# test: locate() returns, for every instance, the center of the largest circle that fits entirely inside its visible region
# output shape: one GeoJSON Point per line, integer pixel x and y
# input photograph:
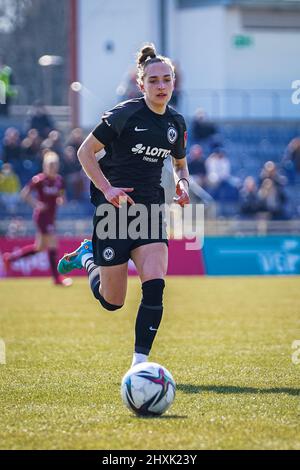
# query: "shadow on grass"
{"type": "Point", "coordinates": [231, 389]}
{"type": "Point", "coordinates": [161, 417]}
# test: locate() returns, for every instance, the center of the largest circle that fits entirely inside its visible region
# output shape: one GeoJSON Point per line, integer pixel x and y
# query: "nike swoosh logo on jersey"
{"type": "Point", "coordinates": [152, 329]}
{"type": "Point", "coordinates": [137, 129]}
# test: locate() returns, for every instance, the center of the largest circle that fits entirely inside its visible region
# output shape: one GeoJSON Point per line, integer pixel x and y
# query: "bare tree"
{"type": "Point", "coordinates": [30, 29]}
{"type": "Point", "coordinates": [12, 13]}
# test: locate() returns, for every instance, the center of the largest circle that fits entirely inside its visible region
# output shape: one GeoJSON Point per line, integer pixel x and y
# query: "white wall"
{"type": "Point", "coordinates": [199, 45]}
{"type": "Point", "coordinates": [269, 64]}
{"type": "Point", "coordinates": [203, 42]}
{"type": "Point", "coordinates": [126, 23]}
{"type": "Point", "coordinates": [200, 40]}
{"type": "Point", "coordinates": [199, 37]}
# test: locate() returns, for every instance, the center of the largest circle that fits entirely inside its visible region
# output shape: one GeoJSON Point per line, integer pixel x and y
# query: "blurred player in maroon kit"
{"type": "Point", "coordinates": [49, 189]}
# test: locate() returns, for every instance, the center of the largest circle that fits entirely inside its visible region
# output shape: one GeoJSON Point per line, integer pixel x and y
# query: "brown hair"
{"type": "Point", "coordinates": [146, 56]}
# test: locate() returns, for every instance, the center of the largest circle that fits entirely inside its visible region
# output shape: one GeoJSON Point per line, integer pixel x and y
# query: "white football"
{"type": "Point", "coordinates": [148, 389]}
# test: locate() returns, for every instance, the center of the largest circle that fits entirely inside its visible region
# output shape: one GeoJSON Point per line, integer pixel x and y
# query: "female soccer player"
{"type": "Point", "coordinates": [136, 135]}
{"type": "Point", "coordinates": [49, 189]}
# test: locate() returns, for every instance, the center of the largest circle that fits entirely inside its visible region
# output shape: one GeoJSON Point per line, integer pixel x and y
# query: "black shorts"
{"type": "Point", "coordinates": [115, 249]}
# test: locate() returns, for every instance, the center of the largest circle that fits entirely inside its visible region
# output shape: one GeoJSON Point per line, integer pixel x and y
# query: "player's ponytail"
{"type": "Point", "coordinates": [147, 52]}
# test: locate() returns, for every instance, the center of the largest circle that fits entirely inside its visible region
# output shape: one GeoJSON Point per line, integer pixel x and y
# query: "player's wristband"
{"type": "Point", "coordinates": [181, 179]}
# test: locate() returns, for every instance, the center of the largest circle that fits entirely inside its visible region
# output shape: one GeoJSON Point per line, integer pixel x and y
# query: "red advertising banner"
{"type": "Point", "coordinates": [182, 261]}
{"type": "Point", "coordinates": [185, 258]}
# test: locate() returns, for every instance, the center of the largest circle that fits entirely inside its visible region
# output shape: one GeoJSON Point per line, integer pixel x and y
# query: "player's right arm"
{"type": "Point", "coordinates": [87, 157]}
{"type": "Point", "coordinates": [33, 202]}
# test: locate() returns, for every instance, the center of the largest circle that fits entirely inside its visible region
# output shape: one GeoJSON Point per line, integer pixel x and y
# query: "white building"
{"type": "Point", "coordinates": [238, 58]}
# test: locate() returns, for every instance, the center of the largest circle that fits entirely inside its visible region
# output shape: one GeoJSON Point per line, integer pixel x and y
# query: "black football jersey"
{"type": "Point", "coordinates": [137, 141]}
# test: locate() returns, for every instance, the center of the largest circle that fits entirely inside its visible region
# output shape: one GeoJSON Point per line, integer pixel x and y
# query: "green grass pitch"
{"type": "Point", "coordinates": [227, 342]}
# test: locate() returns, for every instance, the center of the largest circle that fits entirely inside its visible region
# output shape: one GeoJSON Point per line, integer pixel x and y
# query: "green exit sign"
{"type": "Point", "coordinates": [240, 41]}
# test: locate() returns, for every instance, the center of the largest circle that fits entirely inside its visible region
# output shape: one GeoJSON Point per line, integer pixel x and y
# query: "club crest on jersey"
{"type": "Point", "coordinates": [172, 135]}
{"type": "Point", "coordinates": [108, 254]}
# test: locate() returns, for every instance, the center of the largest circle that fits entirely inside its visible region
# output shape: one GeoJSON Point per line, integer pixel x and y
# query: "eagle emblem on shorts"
{"type": "Point", "coordinates": [108, 254]}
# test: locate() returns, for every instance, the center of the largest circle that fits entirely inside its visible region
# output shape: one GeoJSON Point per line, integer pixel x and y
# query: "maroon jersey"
{"type": "Point", "coordinates": [47, 190]}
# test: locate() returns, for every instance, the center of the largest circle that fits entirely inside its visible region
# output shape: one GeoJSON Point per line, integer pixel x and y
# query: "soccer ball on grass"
{"type": "Point", "coordinates": [148, 389]}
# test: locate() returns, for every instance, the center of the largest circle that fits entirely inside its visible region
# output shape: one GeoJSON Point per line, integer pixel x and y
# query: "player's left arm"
{"type": "Point", "coordinates": [181, 174]}
{"type": "Point", "coordinates": [61, 198]}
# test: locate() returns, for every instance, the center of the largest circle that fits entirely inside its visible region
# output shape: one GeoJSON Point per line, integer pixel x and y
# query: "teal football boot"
{"type": "Point", "coordinates": [72, 260]}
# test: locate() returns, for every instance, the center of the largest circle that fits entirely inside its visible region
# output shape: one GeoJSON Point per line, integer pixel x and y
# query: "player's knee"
{"type": "Point", "coordinates": [107, 305]}
{"type": "Point", "coordinates": [153, 292]}
{"type": "Point", "coordinates": [112, 296]}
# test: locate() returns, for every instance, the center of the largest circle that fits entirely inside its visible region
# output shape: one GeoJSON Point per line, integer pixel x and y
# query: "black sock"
{"type": "Point", "coordinates": [94, 280]}
{"type": "Point", "coordinates": [149, 315]}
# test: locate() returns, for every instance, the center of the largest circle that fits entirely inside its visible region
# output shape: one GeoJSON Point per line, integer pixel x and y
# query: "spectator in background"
{"type": "Point", "coordinates": [128, 88]}
{"type": "Point", "coordinates": [40, 120]}
{"type": "Point", "coordinates": [196, 165]}
{"type": "Point", "coordinates": [272, 199]}
{"type": "Point", "coordinates": [9, 188]}
{"type": "Point", "coordinates": [75, 138]}
{"type": "Point", "coordinates": [249, 200]}
{"type": "Point", "coordinates": [72, 173]}
{"type": "Point", "coordinates": [7, 86]}
{"type": "Point", "coordinates": [11, 148]}
{"type": "Point", "coordinates": [31, 156]}
{"type": "Point", "coordinates": [31, 146]}
{"type": "Point", "coordinates": [291, 160]}
{"type": "Point", "coordinates": [53, 143]}
{"type": "Point", "coordinates": [221, 184]}
{"type": "Point", "coordinates": [202, 130]}
{"type": "Point", "coordinates": [270, 171]}
{"type": "Point", "coordinates": [218, 167]}
{"type": "Point", "coordinates": [174, 101]}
